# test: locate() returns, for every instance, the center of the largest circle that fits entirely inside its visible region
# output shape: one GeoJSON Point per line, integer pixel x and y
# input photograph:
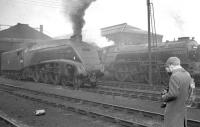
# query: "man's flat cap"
{"type": "Point", "coordinates": [173, 61]}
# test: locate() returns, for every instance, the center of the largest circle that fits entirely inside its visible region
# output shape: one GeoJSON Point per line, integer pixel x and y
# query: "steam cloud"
{"type": "Point", "coordinates": [94, 36]}
{"type": "Point", "coordinates": [75, 10]}
{"type": "Point", "coordinates": [178, 21]}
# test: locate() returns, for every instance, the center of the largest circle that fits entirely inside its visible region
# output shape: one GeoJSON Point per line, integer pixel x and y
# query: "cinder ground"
{"type": "Point", "coordinates": [24, 110]}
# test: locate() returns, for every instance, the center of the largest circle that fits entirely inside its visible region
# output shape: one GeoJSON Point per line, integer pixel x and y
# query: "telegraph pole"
{"type": "Point", "coordinates": [149, 41]}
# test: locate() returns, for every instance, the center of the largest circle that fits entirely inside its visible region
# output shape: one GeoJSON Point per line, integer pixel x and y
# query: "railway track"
{"type": "Point", "coordinates": [133, 91]}
{"type": "Point", "coordinates": [141, 91]}
{"type": "Point", "coordinates": [130, 93]}
{"type": "Point", "coordinates": [131, 85]}
{"type": "Point", "coordinates": [123, 92]}
{"type": "Point", "coordinates": [5, 121]}
{"type": "Point", "coordinates": [130, 90]}
{"type": "Point", "coordinates": [138, 86]}
{"type": "Point", "coordinates": [124, 116]}
{"type": "Point", "coordinates": [113, 113]}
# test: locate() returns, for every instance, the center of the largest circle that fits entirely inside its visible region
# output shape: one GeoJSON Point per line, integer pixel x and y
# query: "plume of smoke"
{"type": "Point", "coordinates": [179, 22]}
{"type": "Point", "coordinates": [75, 11]}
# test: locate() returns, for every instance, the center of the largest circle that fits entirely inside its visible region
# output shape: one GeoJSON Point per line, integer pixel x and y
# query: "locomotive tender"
{"type": "Point", "coordinates": [130, 62]}
{"type": "Point", "coordinates": [63, 61]}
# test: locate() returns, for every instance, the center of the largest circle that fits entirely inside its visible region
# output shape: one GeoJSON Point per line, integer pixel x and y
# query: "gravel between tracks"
{"type": "Point", "coordinates": [24, 110]}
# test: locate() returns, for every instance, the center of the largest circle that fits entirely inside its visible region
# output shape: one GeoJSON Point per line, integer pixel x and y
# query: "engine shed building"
{"type": "Point", "coordinates": [20, 35]}
{"type": "Point", "coordinates": [124, 34]}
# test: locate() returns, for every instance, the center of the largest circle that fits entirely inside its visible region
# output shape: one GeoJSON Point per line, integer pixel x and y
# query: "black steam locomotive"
{"type": "Point", "coordinates": [130, 62]}
{"type": "Point", "coordinates": [64, 61]}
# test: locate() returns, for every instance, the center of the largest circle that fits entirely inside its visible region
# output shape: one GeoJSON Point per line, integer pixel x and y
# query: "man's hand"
{"type": "Point", "coordinates": [163, 92]}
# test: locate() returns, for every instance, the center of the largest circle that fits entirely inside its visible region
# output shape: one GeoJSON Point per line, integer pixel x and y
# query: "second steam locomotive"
{"type": "Point", "coordinates": [130, 62]}
{"type": "Point", "coordinates": [64, 61]}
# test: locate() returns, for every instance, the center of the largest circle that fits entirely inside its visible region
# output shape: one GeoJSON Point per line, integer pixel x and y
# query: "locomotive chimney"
{"type": "Point", "coordinates": [75, 11]}
{"type": "Point", "coordinates": [76, 37]}
{"type": "Point", "coordinates": [41, 28]}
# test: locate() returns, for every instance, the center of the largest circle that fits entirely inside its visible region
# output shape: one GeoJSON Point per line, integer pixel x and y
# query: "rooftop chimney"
{"type": "Point", "coordinates": [41, 28]}
{"type": "Point", "coordinates": [183, 38]}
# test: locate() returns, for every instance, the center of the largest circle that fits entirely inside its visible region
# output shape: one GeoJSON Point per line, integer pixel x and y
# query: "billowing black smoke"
{"type": "Point", "coordinates": [75, 10]}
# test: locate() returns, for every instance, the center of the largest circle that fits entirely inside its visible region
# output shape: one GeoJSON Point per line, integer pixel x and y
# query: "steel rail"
{"type": "Point", "coordinates": [131, 93]}
{"type": "Point", "coordinates": [129, 89]}
{"type": "Point", "coordinates": [10, 121]}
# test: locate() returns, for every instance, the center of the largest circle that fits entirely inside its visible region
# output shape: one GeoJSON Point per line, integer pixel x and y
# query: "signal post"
{"type": "Point", "coordinates": [149, 41]}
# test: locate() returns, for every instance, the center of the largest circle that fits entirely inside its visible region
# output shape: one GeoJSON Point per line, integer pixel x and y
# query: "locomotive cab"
{"type": "Point", "coordinates": [193, 50]}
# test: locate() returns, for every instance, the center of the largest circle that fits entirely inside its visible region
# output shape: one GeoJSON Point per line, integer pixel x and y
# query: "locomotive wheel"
{"type": "Point", "coordinates": [134, 74]}
{"type": "Point", "coordinates": [146, 78]}
{"type": "Point", "coordinates": [93, 84]}
{"type": "Point", "coordinates": [54, 78]}
{"type": "Point", "coordinates": [36, 76]}
{"type": "Point", "coordinates": [64, 81]}
{"type": "Point", "coordinates": [44, 77]}
{"type": "Point", "coordinates": [134, 77]}
{"type": "Point", "coordinates": [77, 83]}
{"type": "Point", "coordinates": [18, 76]}
{"type": "Point", "coordinates": [121, 73]}
{"type": "Point", "coordinates": [155, 78]}
{"type": "Point", "coordinates": [25, 73]}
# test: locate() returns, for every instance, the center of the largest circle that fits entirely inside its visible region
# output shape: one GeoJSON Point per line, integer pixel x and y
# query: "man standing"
{"type": "Point", "coordinates": [179, 90]}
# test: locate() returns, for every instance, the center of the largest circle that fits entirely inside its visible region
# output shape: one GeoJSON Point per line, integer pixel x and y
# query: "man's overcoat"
{"type": "Point", "coordinates": [176, 112]}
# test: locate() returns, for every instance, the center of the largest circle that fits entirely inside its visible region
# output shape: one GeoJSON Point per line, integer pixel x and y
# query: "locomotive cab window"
{"type": "Point", "coordinates": [194, 53]}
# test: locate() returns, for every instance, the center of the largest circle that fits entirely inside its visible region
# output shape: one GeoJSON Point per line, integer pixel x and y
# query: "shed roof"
{"type": "Point", "coordinates": [124, 27]}
{"type": "Point", "coordinates": [23, 31]}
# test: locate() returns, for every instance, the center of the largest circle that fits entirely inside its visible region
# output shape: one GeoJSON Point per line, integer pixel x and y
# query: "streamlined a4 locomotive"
{"type": "Point", "coordinates": [63, 61]}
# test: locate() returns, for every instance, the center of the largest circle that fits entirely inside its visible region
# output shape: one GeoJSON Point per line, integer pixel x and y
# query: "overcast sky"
{"type": "Point", "coordinates": [174, 18]}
